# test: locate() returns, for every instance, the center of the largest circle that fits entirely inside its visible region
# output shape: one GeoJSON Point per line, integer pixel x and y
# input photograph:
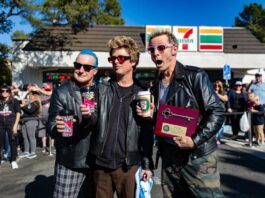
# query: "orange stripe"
{"type": "Point", "coordinates": [182, 30]}
{"type": "Point", "coordinates": [211, 31]}
{"type": "Point", "coordinates": [150, 29]}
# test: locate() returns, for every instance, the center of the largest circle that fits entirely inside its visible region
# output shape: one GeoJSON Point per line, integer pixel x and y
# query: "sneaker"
{"type": "Point", "coordinates": [218, 142]}
{"type": "Point", "coordinates": [14, 165]}
{"type": "Point", "coordinates": [25, 154]}
{"type": "Point", "coordinates": [45, 150]}
{"type": "Point", "coordinates": [31, 155]}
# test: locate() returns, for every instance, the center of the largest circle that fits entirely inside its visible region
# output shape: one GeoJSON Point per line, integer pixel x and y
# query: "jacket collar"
{"type": "Point", "coordinates": [179, 75]}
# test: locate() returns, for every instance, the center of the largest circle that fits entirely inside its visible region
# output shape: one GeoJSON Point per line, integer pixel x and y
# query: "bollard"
{"type": "Point", "coordinates": [250, 129]}
{"type": "Point", "coordinates": [50, 146]}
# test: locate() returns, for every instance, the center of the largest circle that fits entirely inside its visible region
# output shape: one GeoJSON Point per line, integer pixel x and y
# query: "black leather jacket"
{"type": "Point", "coordinates": [192, 88]}
{"type": "Point", "coordinates": [71, 152]}
{"type": "Point", "coordinates": [139, 136]}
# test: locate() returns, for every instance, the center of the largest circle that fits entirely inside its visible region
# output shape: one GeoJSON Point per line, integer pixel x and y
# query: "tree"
{"type": "Point", "coordinates": [253, 18]}
{"type": "Point", "coordinates": [81, 13]}
{"type": "Point", "coordinates": [110, 13]}
{"type": "Point", "coordinates": [5, 69]}
{"type": "Point", "coordinates": [23, 8]}
{"type": "Point", "coordinates": [18, 34]}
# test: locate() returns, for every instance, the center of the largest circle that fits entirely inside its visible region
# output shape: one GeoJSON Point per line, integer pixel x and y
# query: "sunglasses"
{"type": "Point", "coordinates": [151, 49]}
{"type": "Point", "coordinates": [86, 67]}
{"type": "Point", "coordinates": [121, 59]}
{"type": "Point", "coordinates": [4, 91]}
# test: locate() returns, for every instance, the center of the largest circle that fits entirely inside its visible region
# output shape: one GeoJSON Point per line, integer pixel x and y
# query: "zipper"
{"type": "Point", "coordinates": [107, 129]}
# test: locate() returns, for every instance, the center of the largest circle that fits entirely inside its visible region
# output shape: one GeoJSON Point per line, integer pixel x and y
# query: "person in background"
{"type": "Point", "coordinates": [32, 109]}
{"type": "Point", "coordinates": [257, 86]}
{"type": "Point", "coordinates": [71, 165]}
{"type": "Point", "coordinates": [9, 118]}
{"type": "Point", "coordinates": [123, 141]}
{"type": "Point", "coordinates": [219, 90]}
{"type": "Point", "coordinates": [45, 92]}
{"type": "Point", "coordinates": [237, 102]}
{"type": "Point", "coordinates": [189, 164]}
{"type": "Point", "coordinates": [258, 120]}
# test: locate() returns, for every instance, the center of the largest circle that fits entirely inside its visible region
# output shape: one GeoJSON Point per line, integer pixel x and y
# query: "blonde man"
{"type": "Point", "coordinates": [123, 141]}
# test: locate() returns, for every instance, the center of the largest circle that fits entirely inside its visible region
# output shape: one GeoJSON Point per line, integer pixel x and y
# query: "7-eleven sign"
{"type": "Point", "coordinates": [187, 37]}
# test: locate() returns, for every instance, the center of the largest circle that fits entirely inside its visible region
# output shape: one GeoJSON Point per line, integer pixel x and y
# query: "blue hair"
{"type": "Point", "coordinates": [91, 53]}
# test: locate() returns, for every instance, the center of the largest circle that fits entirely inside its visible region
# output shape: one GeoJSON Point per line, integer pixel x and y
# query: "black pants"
{"type": "Point", "coordinates": [12, 141]}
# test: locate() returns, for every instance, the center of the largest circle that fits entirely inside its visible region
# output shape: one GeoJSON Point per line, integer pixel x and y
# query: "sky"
{"type": "Point", "coordinates": [167, 12]}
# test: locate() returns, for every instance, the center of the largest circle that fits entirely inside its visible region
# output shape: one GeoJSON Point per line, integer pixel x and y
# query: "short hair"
{"type": "Point", "coordinates": [126, 42]}
{"type": "Point", "coordinates": [90, 52]}
{"type": "Point", "coordinates": [171, 37]}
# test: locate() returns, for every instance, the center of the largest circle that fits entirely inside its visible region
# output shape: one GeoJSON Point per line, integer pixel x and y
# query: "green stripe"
{"type": "Point", "coordinates": [211, 39]}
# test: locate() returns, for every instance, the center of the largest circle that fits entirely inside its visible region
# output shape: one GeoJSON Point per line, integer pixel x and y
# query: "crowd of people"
{"type": "Point", "coordinates": [241, 98]}
{"type": "Point", "coordinates": [107, 144]}
{"type": "Point", "coordinates": [22, 120]}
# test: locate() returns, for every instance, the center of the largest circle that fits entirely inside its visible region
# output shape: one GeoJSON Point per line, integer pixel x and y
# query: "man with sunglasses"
{"type": "Point", "coordinates": [123, 140]}
{"type": "Point", "coordinates": [189, 164]}
{"type": "Point", "coordinates": [71, 167]}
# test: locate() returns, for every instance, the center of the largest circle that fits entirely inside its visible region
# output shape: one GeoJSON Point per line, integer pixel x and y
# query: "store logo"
{"type": "Point", "coordinates": [187, 37]}
{"type": "Point", "coordinates": [211, 38]}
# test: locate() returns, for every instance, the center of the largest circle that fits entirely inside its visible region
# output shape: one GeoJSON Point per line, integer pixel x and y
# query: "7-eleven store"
{"type": "Point", "coordinates": [49, 55]}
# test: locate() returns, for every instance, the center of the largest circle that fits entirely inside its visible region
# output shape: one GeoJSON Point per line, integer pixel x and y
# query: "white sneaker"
{"type": "Point", "coordinates": [31, 156]}
{"type": "Point", "coordinates": [14, 165]}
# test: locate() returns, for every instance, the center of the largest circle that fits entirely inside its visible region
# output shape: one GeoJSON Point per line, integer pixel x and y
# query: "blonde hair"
{"type": "Point", "coordinates": [171, 37]}
{"type": "Point", "coordinates": [126, 42]}
{"type": "Point", "coordinates": [221, 87]}
{"type": "Point", "coordinates": [36, 97]}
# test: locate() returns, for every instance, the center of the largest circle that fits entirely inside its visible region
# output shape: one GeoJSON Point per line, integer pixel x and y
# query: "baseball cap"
{"type": "Point", "coordinates": [258, 74]}
{"type": "Point", "coordinates": [47, 87]}
{"type": "Point", "coordinates": [238, 83]}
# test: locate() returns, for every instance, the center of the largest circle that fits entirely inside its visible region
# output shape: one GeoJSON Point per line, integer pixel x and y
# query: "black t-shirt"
{"type": "Point", "coordinates": [8, 111]}
{"type": "Point", "coordinates": [258, 119]}
{"type": "Point", "coordinates": [113, 155]}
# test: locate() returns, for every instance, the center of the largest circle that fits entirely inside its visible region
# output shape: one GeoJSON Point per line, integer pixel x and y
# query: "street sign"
{"type": "Point", "coordinates": [227, 72]}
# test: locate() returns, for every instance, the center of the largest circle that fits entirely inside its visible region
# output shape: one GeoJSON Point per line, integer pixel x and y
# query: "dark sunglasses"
{"type": "Point", "coordinates": [5, 90]}
{"type": "Point", "coordinates": [151, 49]}
{"type": "Point", "coordinates": [121, 59]}
{"type": "Point", "coordinates": [87, 68]}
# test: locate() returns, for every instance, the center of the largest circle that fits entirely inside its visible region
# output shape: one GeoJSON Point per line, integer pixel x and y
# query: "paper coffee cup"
{"type": "Point", "coordinates": [144, 101]}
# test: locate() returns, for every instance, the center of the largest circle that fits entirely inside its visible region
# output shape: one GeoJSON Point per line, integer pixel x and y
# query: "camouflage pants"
{"type": "Point", "coordinates": [195, 178]}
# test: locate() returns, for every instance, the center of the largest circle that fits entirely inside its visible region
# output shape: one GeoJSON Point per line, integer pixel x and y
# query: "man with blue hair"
{"type": "Point", "coordinates": [71, 167]}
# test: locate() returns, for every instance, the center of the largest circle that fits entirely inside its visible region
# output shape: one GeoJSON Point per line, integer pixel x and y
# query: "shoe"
{"type": "Point", "coordinates": [25, 154]}
{"type": "Point", "coordinates": [234, 137]}
{"type": "Point", "coordinates": [14, 165]}
{"type": "Point", "coordinates": [218, 142]}
{"type": "Point", "coordinates": [45, 150]}
{"type": "Point", "coordinates": [31, 155]}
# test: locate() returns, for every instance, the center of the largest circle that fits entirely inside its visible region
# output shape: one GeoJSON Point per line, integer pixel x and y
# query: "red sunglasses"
{"type": "Point", "coordinates": [121, 59]}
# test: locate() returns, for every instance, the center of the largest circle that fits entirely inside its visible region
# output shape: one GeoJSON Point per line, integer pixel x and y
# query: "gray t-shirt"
{"type": "Point", "coordinates": [163, 91]}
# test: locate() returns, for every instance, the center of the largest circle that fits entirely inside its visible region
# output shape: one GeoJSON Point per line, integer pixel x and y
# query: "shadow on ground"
{"type": "Point", "coordinates": [41, 187]}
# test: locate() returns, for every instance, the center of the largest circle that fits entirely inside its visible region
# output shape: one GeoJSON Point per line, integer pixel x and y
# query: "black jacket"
{"type": "Point", "coordinates": [139, 136]}
{"type": "Point", "coordinates": [71, 152]}
{"type": "Point", "coordinates": [191, 88]}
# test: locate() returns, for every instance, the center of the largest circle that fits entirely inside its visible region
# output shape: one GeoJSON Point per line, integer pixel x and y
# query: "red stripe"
{"type": "Point", "coordinates": [188, 33]}
{"type": "Point", "coordinates": [211, 47]}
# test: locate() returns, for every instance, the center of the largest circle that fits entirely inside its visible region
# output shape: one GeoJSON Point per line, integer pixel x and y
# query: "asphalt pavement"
{"type": "Point", "coordinates": [242, 170]}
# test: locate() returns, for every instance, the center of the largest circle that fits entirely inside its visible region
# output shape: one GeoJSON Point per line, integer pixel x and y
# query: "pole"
{"type": "Point", "coordinates": [250, 130]}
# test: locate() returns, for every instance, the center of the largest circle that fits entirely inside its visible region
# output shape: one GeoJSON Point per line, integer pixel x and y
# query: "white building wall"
{"type": "Point", "coordinates": [28, 65]}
